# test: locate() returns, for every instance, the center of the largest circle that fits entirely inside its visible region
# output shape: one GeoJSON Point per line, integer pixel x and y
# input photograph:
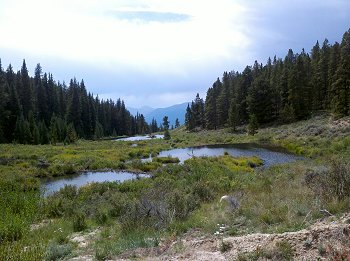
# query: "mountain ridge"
{"type": "Point", "coordinates": [176, 111]}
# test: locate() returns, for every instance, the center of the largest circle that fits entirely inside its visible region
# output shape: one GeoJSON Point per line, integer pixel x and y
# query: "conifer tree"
{"type": "Point", "coordinates": [43, 133]}
{"type": "Point", "coordinates": [210, 109]}
{"type": "Point", "coordinates": [233, 116]}
{"type": "Point", "coordinates": [25, 90]}
{"type": "Point", "coordinates": [189, 119]}
{"type": "Point", "coordinates": [177, 123]}
{"type": "Point", "coordinates": [54, 131]}
{"type": "Point", "coordinates": [98, 131]}
{"type": "Point", "coordinates": [341, 86]}
{"type": "Point", "coordinates": [71, 134]}
{"type": "Point", "coordinates": [165, 123]}
{"type": "Point", "coordinates": [253, 125]}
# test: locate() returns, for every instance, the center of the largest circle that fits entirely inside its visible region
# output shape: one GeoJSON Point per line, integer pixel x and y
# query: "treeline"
{"type": "Point", "coordinates": [38, 110]}
{"type": "Point", "coordinates": [280, 91]}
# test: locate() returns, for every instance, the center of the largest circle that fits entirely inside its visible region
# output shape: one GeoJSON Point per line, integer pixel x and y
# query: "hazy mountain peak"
{"type": "Point", "coordinates": [173, 112]}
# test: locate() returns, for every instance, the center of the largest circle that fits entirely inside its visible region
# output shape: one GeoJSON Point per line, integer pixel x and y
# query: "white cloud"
{"type": "Point", "coordinates": [84, 31]}
{"type": "Point", "coordinates": [161, 61]}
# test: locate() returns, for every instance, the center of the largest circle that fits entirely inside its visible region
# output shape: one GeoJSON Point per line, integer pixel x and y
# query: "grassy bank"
{"type": "Point", "coordinates": [177, 198]}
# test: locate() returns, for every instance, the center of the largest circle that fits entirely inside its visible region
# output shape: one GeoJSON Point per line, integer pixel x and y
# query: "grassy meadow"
{"type": "Point", "coordinates": [177, 198]}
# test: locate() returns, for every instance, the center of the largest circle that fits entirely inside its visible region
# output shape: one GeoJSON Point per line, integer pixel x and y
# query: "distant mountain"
{"type": "Point", "coordinates": [143, 110]}
{"type": "Point", "coordinates": [173, 112]}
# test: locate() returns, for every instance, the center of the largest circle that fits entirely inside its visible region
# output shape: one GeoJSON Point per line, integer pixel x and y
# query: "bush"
{"type": "Point", "coordinates": [79, 222]}
{"type": "Point", "coordinates": [12, 229]}
{"type": "Point", "coordinates": [101, 216]}
{"type": "Point", "coordinates": [332, 181]}
{"type": "Point", "coordinates": [14, 251]}
{"type": "Point", "coordinates": [57, 252]}
{"type": "Point", "coordinates": [282, 251]}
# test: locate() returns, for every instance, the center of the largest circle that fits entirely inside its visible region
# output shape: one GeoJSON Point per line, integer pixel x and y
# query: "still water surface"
{"type": "Point", "coordinates": [137, 138]}
{"type": "Point", "coordinates": [51, 186]}
{"type": "Point", "coordinates": [269, 155]}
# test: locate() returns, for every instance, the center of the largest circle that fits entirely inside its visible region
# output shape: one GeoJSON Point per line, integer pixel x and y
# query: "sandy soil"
{"type": "Point", "coordinates": [327, 239]}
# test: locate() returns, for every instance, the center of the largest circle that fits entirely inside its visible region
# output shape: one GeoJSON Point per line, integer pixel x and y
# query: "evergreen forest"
{"type": "Point", "coordinates": [39, 110]}
{"type": "Point", "coordinates": [281, 91]}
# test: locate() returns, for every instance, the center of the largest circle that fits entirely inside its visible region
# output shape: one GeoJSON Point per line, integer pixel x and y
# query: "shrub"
{"type": "Point", "coordinates": [57, 252]}
{"type": "Point", "coordinates": [12, 229]}
{"type": "Point", "coordinates": [101, 216]}
{"type": "Point", "coordinates": [15, 251]}
{"type": "Point", "coordinates": [332, 181]}
{"type": "Point", "coordinates": [79, 222]}
{"type": "Point", "coordinates": [225, 246]}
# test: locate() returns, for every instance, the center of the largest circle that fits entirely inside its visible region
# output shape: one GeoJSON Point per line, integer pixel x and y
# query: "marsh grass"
{"type": "Point", "coordinates": [178, 197]}
{"type": "Point", "coordinates": [166, 160]}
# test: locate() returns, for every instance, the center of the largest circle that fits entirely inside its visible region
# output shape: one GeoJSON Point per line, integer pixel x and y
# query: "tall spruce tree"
{"type": "Point", "coordinates": [341, 85]}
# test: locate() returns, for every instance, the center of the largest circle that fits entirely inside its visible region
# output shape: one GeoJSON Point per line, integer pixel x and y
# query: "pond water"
{"type": "Point", "coordinates": [53, 185]}
{"type": "Point", "coordinates": [269, 155]}
{"type": "Point", "coordinates": [138, 138]}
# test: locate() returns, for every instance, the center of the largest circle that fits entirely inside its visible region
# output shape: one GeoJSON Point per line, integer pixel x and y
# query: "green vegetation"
{"type": "Point", "coordinates": [178, 197]}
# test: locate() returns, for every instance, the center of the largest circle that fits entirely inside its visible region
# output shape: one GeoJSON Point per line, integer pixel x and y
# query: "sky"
{"type": "Point", "coordinates": [160, 52]}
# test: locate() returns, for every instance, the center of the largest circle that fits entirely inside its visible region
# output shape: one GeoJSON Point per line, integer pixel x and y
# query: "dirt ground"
{"type": "Point", "coordinates": [327, 239]}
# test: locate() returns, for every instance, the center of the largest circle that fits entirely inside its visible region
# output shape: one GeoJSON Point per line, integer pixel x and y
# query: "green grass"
{"type": "Point", "coordinates": [178, 197]}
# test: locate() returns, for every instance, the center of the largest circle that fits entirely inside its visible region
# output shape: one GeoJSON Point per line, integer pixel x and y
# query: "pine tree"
{"type": "Point", "coordinates": [316, 77]}
{"type": "Point", "coordinates": [43, 133]}
{"type": "Point", "coordinates": [35, 135]}
{"type": "Point", "coordinates": [197, 109]}
{"type": "Point", "coordinates": [341, 86]}
{"type": "Point", "coordinates": [98, 131]}
{"type": "Point", "coordinates": [71, 134]}
{"type": "Point", "coordinates": [259, 100]}
{"type": "Point", "coordinates": [210, 110]}
{"type": "Point", "coordinates": [4, 113]}
{"type": "Point", "coordinates": [287, 114]}
{"type": "Point", "coordinates": [253, 125]}
{"type": "Point", "coordinates": [25, 90]}
{"type": "Point", "coordinates": [33, 129]}
{"type": "Point", "coordinates": [189, 119]}
{"type": "Point", "coordinates": [19, 130]}
{"type": "Point", "coordinates": [223, 101]}
{"type": "Point", "coordinates": [74, 108]}
{"type": "Point", "coordinates": [323, 68]}
{"type": "Point", "coordinates": [42, 107]}
{"type": "Point", "coordinates": [54, 131]}
{"type": "Point", "coordinates": [177, 123]}
{"type": "Point", "coordinates": [165, 123]}
{"type": "Point", "coordinates": [22, 131]}
{"type": "Point", "coordinates": [298, 87]}
{"type": "Point", "coordinates": [233, 116]}
{"type": "Point", "coordinates": [154, 126]}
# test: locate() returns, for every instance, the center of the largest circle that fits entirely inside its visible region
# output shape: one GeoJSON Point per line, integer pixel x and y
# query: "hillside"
{"type": "Point", "coordinates": [176, 111]}
{"type": "Point", "coordinates": [173, 112]}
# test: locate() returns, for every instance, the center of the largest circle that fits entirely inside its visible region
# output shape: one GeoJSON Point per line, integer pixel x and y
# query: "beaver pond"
{"type": "Point", "coordinates": [269, 155]}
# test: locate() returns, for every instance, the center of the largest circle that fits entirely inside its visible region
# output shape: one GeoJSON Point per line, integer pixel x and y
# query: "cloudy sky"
{"type": "Point", "coordinates": [160, 52]}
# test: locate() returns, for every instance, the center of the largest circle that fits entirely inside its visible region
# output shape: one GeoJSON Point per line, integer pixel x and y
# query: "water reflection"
{"type": "Point", "coordinates": [51, 186]}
